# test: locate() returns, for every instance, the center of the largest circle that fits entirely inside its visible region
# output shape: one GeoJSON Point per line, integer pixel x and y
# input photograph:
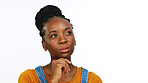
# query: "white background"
{"type": "Point", "coordinates": [111, 36]}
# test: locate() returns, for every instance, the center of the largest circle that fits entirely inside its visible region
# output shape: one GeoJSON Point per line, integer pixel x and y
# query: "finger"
{"type": "Point", "coordinates": [67, 61]}
{"type": "Point", "coordinates": [67, 67]}
{"type": "Point", "coordinates": [64, 66]}
{"type": "Point", "coordinates": [62, 60]}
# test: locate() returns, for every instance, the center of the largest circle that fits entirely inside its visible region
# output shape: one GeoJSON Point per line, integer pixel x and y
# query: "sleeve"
{"type": "Point", "coordinates": [24, 78]}
{"type": "Point", "coordinates": [93, 78]}
{"type": "Point", "coordinates": [100, 81]}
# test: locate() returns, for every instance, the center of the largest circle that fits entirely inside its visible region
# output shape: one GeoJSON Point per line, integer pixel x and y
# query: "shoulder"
{"type": "Point", "coordinates": [28, 76]}
{"type": "Point", "coordinates": [93, 78]}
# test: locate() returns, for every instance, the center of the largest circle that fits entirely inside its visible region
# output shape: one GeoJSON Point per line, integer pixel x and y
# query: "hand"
{"type": "Point", "coordinates": [59, 67]}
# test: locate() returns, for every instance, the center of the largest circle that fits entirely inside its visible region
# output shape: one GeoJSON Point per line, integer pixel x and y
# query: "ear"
{"type": "Point", "coordinates": [44, 46]}
{"type": "Point", "coordinates": [75, 42]}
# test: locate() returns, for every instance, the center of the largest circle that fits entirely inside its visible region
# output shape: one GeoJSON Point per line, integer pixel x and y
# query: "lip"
{"type": "Point", "coordinates": [64, 49]}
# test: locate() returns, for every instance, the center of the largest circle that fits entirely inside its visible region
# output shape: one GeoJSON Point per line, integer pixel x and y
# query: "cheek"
{"type": "Point", "coordinates": [72, 40]}
{"type": "Point", "coordinates": [51, 45]}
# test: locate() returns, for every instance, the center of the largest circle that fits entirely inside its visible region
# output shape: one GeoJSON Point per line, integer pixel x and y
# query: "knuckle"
{"type": "Point", "coordinates": [53, 61]}
{"type": "Point", "coordinates": [61, 58]}
{"type": "Point", "coordinates": [58, 65]}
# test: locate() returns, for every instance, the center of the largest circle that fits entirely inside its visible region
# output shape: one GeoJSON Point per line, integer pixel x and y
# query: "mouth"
{"type": "Point", "coordinates": [64, 49]}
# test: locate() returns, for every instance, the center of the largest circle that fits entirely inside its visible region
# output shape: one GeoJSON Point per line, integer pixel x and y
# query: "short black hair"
{"type": "Point", "coordinates": [45, 14]}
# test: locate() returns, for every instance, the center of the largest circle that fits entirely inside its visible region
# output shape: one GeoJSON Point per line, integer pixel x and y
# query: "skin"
{"type": "Point", "coordinates": [58, 38]}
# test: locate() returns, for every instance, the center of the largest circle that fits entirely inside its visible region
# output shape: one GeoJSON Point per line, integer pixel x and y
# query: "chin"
{"type": "Point", "coordinates": [64, 55]}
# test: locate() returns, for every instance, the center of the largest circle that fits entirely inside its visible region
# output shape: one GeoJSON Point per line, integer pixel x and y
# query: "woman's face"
{"type": "Point", "coordinates": [58, 38]}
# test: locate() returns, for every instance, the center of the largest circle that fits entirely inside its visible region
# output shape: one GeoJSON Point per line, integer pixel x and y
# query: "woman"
{"type": "Point", "coordinates": [58, 38]}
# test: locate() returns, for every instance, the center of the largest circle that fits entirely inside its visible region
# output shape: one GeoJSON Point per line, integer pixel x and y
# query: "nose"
{"type": "Point", "coordinates": [62, 40]}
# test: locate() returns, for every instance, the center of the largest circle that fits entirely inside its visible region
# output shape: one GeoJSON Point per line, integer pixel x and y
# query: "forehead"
{"type": "Point", "coordinates": [56, 23]}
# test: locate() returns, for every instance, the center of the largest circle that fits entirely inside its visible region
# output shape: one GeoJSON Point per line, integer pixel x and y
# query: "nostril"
{"type": "Point", "coordinates": [63, 41]}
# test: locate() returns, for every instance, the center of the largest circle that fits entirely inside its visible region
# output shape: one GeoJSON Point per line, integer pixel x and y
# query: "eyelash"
{"type": "Point", "coordinates": [69, 32]}
{"type": "Point", "coordinates": [54, 35]}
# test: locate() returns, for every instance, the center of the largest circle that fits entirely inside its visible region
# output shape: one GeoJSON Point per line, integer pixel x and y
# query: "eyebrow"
{"type": "Point", "coordinates": [51, 32]}
{"type": "Point", "coordinates": [67, 28]}
{"type": "Point", "coordinates": [56, 31]}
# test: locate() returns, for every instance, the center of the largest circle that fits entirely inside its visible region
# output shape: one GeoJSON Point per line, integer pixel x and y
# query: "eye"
{"type": "Point", "coordinates": [52, 36]}
{"type": "Point", "coordinates": [69, 32]}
